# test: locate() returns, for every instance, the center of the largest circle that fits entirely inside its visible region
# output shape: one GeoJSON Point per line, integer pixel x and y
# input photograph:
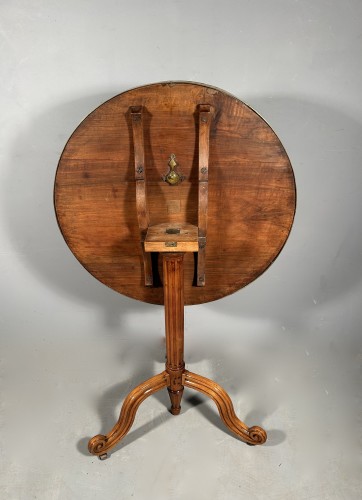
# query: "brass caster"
{"type": "Point", "coordinates": [104, 456]}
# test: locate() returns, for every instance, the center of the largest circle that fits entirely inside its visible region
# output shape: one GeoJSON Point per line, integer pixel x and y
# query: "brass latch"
{"type": "Point", "coordinates": [172, 177]}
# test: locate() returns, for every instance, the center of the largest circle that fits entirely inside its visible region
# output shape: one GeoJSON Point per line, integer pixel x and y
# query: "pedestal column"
{"type": "Point", "coordinates": [173, 283]}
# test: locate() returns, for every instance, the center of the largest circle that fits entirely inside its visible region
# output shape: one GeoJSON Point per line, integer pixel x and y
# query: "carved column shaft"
{"type": "Point", "coordinates": [173, 284]}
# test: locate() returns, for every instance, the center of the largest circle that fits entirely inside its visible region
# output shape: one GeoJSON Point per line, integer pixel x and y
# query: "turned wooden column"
{"type": "Point", "coordinates": [173, 284]}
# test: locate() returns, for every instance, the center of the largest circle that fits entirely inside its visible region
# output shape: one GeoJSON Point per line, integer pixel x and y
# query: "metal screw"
{"type": "Point", "coordinates": [203, 170]}
{"type": "Point", "coordinates": [139, 169]}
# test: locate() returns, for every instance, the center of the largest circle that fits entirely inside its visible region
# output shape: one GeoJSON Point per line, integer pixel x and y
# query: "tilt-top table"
{"type": "Point", "coordinates": [175, 193]}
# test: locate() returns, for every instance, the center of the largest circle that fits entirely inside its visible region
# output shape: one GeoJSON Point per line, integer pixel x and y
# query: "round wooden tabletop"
{"type": "Point", "coordinates": [251, 189]}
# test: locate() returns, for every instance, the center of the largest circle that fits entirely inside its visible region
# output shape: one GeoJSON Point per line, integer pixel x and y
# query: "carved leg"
{"type": "Point", "coordinates": [251, 435]}
{"type": "Point", "coordinates": [100, 444]}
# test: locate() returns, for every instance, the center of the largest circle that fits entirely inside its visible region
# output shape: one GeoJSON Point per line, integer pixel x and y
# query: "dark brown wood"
{"type": "Point", "coordinates": [251, 190]}
{"type": "Point", "coordinates": [205, 116]}
{"type": "Point", "coordinates": [235, 191]}
{"type": "Point", "coordinates": [141, 189]}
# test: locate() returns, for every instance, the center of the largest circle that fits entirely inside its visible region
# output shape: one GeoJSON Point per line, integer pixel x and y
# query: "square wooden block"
{"type": "Point", "coordinates": [172, 237]}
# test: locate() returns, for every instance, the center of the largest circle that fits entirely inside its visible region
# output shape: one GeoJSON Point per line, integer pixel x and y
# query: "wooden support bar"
{"type": "Point", "coordinates": [141, 191]}
{"type": "Point", "coordinates": [205, 117]}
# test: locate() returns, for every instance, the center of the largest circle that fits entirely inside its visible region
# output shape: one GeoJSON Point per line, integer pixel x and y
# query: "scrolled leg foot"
{"type": "Point", "coordinates": [100, 444]}
{"type": "Point", "coordinates": [257, 434]}
{"type": "Point", "coordinates": [252, 435]}
{"type": "Point", "coordinates": [97, 444]}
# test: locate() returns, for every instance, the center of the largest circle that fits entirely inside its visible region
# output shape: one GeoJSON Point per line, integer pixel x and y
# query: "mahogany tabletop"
{"type": "Point", "coordinates": [251, 189]}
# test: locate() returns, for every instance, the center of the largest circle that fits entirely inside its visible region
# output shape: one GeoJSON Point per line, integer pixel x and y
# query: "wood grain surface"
{"type": "Point", "coordinates": [251, 189]}
{"type": "Point", "coordinates": [175, 238]}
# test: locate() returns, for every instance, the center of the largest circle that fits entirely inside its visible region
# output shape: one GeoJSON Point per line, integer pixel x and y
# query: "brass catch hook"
{"type": "Point", "coordinates": [172, 177]}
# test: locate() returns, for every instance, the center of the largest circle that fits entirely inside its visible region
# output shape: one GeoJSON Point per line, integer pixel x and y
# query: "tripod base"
{"type": "Point", "coordinates": [100, 444]}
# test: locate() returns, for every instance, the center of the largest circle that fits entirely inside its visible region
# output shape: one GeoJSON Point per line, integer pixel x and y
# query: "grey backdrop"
{"type": "Point", "coordinates": [287, 347]}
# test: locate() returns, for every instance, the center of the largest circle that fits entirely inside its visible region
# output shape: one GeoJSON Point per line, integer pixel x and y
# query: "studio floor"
{"type": "Point", "coordinates": [63, 392]}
